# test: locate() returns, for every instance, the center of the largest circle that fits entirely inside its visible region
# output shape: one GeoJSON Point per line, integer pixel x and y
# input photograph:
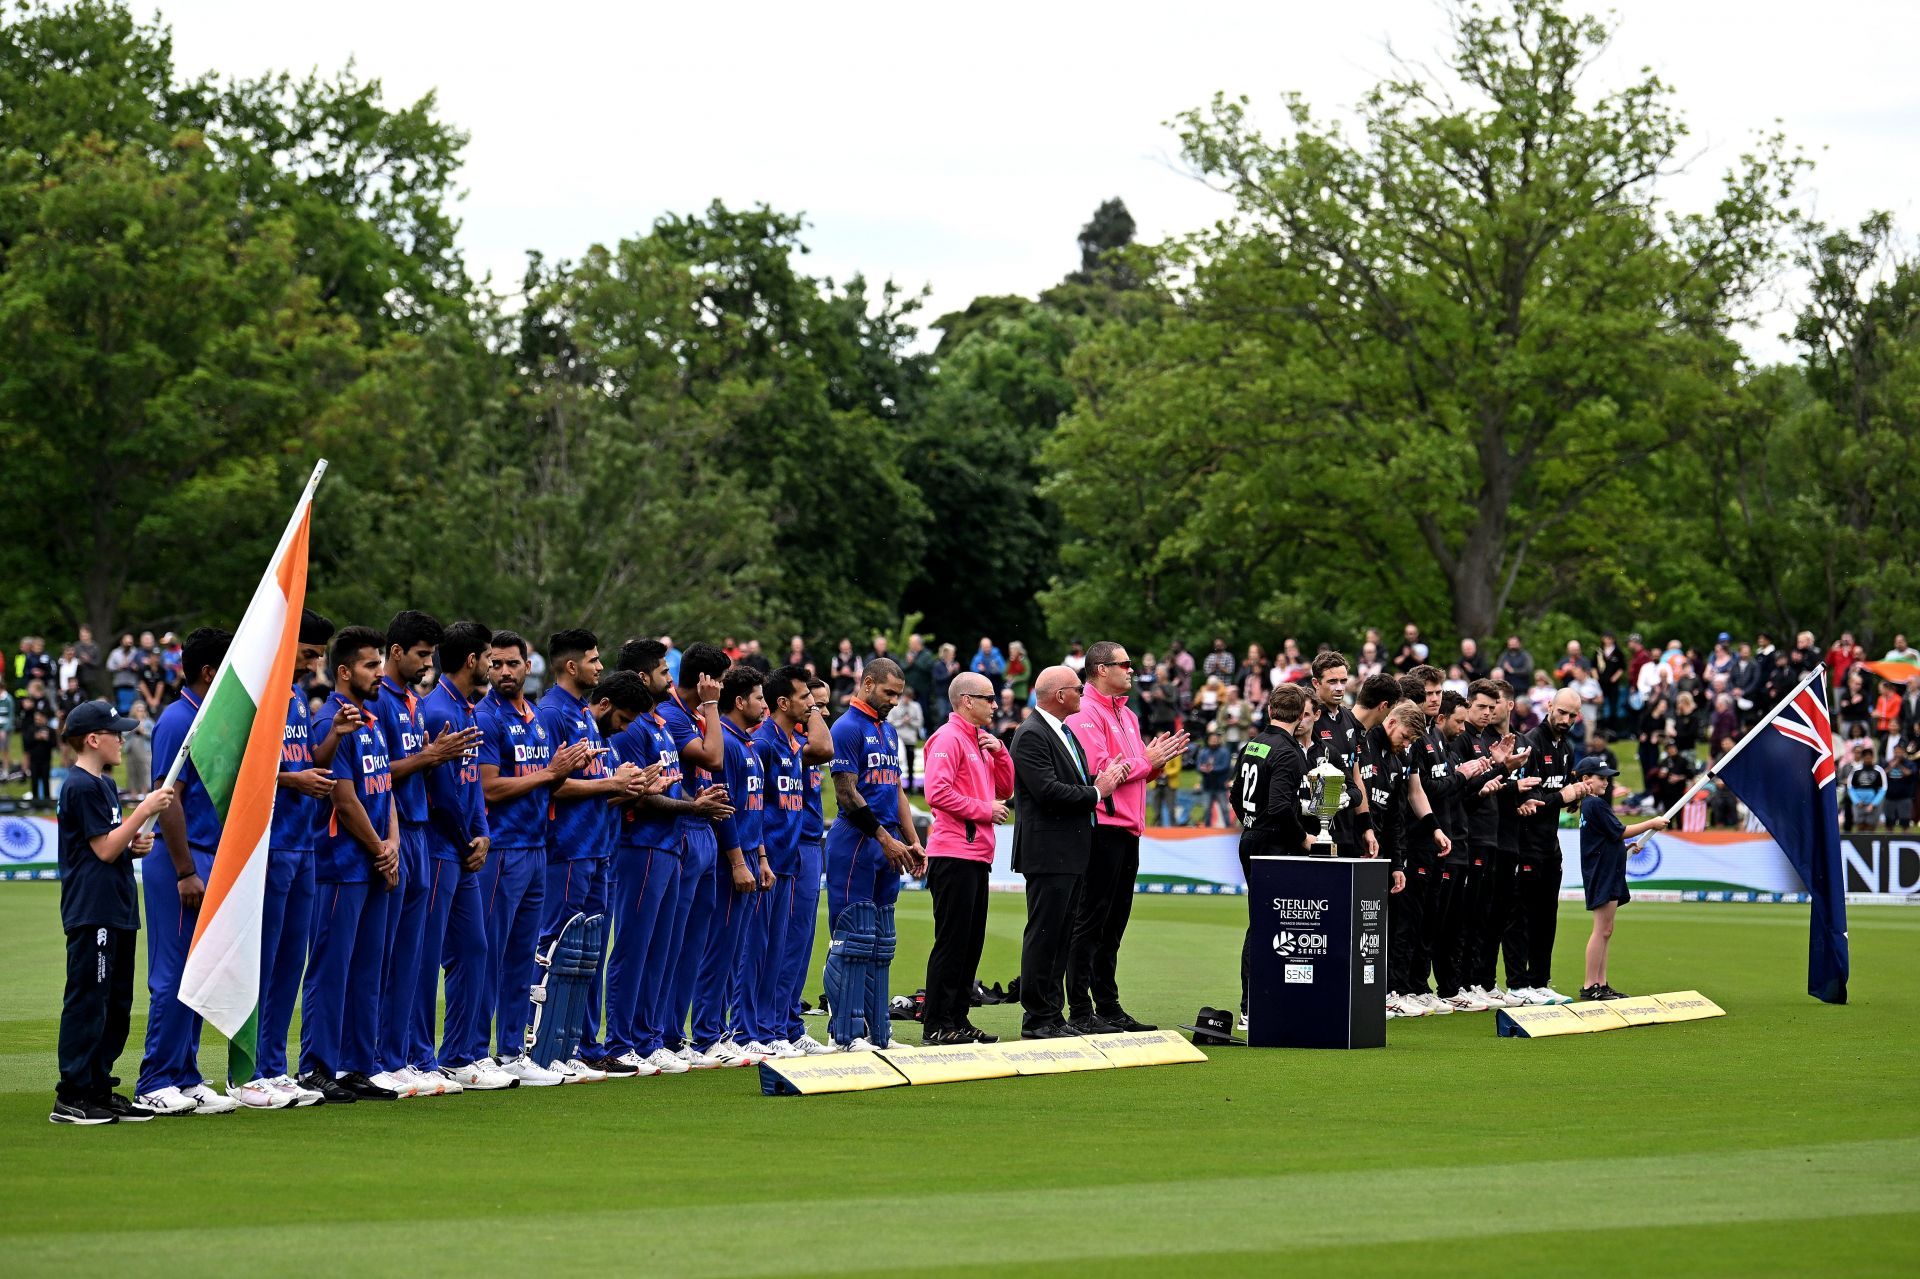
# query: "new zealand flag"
{"type": "Point", "coordinates": [1784, 772]}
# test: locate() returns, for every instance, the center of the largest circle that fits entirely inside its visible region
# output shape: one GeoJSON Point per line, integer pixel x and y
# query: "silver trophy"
{"type": "Point", "coordinates": [1326, 796]}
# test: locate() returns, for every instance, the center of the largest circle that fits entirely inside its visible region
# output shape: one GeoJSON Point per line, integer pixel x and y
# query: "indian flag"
{"type": "Point", "coordinates": [235, 745]}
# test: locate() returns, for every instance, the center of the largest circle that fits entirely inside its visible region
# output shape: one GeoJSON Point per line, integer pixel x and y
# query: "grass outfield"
{"type": "Point", "coordinates": [1782, 1138]}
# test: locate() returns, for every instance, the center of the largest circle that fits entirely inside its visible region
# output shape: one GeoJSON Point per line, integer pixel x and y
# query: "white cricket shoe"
{"type": "Point", "coordinates": [782, 1049]}
{"type": "Point", "coordinates": [301, 1094]}
{"type": "Point", "coordinates": [209, 1102]}
{"type": "Point", "coordinates": [1433, 1003]}
{"type": "Point", "coordinates": [1528, 995]}
{"type": "Point", "coordinates": [399, 1083]}
{"type": "Point", "coordinates": [667, 1062]}
{"type": "Point", "coordinates": [530, 1074]}
{"type": "Point", "coordinates": [1549, 995]}
{"type": "Point", "coordinates": [1465, 1001]}
{"type": "Point", "coordinates": [1393, 1008]}
{"type": "Point", "coordinates": [582, 1073]}
{"type": "Point", "coordinates": [1496, 998]}
{"type": "Point", "coordinates": [478, 1077]}
{"type": "Point", "coordinates": [1243, 1021]}
{"type": "Point", "coordinates": [858, 1044]}
{"type": "Point", "coordinates": [259, 1094]}
{"type": "Point", "coordinates": [728, 1053]}
{"type": "Point", "coordinates": [811, 1047]}
{"type": "Point", "coordinates": [758, 1051]}
{"type": "Point", "coordinates": [427, 1083]}
{"type": "Point", "coordinates": [641, 1066]}
{"type": "Point", "coordinates": [695, 1059]}
{"type": "Point", "coordinates": [167, 1101]}
{"type": "Point", "coordinates": [1411, 1007]}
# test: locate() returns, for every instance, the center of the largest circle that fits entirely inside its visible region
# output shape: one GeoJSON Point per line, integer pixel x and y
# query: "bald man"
{"type": "Point", "coordinates": [1055, 795]}
{"type": "Point", "coordinates": [969, 779]}
{"type": "Point", "coordinates": [1536, 888]}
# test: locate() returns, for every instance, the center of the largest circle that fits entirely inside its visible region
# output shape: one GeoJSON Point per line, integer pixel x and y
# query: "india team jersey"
{"type": "Point", "coordinates": [398, 712]}
{"type": "Point", "coordinates": [684, 727]}
{"type": "Point", "coordinates": [813, 825]}
{"type": "Point", "coordinates": [578, 828]}
{"type": "Point", "coordinates": [513, 740]}
{"type": "Point", "coordinates": [361, 759]}
{"type": "Point", "coordinates": [746, 786]}
{"type": "Point", "coordinates": [646, 741]}
{"type": "Point", "coordinates": [868, 747]}
{"type": "Point", "coordinates": [456, 806]}
{"type": "Point", "coordinates": [786, 795]}
{"type": "Point", "coordinates": [296, 817]}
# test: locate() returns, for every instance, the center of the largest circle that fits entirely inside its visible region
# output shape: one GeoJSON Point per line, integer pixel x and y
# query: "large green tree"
{"type": "Point", "coordinates": [1415, 372]}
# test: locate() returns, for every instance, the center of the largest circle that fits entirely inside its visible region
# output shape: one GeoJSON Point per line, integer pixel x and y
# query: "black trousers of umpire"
{"type": "Point", "coordinates": [1409, 913]}
{"type": "Point", "coordinates": [959, 889]}
{"type": "Point", "coordinates": [1537, 891]}
{"type": "Point", "coordinates": [96, 1011]}
{"type": "Point", "coordinates": [1100, 921]}
{"type": "Point", "coordinates": [1043, 947]}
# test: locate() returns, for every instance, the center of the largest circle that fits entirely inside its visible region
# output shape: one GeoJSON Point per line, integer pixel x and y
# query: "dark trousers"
{"type": "Point", "coordinates": [1481, 945]}
{"type": "Point", "coordinates": [959, 889]}
{"type": "Point", "coordinates": [96, 1011]}
{"type": "Point", "coordinates": [1448, 919]}
{"type": "Point", "coordinates": [1043, 947]}
{"type": "Point", "coordinates": [1407, 946]}
{"type": "Point", "coordinates": [1538, 890]}
{"type": "Point", "coordinates": [1506, 927]}
{"type": "Point", "coordinates": [1100, 921]}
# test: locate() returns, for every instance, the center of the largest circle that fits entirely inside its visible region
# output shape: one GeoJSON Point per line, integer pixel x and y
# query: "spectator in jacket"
{"type": "Point", "coordinates": [988, 661]}
{"type": "Point", "coordinates": [1516, 664]}
{"type": "Point", "coordinates": [1610, 667]}
{"type": "Point", "coordinates": [1902, 773]}
{"type": "Point", "coordinates": [1219, 664]}
{"type": "Point", "coordinates": [969, 781]}
{"type": "Point", "coordinates": [946, 664]}
{"type": "Point", "coordinates": [1866, 789]}
{"type": "Point", "coordinates": [910, 722]}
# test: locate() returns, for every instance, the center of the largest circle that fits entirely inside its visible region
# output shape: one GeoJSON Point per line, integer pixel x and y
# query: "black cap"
{"type": "Point", "coordinates": [1595, 766]}
{"type": "Point", "coordinates": [1213, 1027]}
{"type": "Point", "coordinates": [96, 717]}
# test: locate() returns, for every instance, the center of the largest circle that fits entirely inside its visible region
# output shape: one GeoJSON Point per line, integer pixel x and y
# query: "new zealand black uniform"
{"type": "Point", "coordinates": [1384, 772]}
{"type": "Point", "coordinates": [1336, 741]}
{"type": "Point", "coordinates": [1505, 929]}
{"type": "Point", "coordinates": [1431, 761]}
{"type": "Point", "coordinates": [1483, 853]}
{"type": "Point", "coordinates": [1537, 886]}
{"type": "Point", "coordinates": [1267, 781]}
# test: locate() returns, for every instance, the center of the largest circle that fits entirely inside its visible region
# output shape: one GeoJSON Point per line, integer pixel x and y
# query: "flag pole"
{"type": "Point", "coordinates": [1738, 746]}
{"type": "Point", "coordinates": [286, 536]}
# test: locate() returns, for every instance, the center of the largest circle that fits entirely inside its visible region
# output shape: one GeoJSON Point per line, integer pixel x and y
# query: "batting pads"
{"type": "Point", "coordinates": [859, 958]}
{"type": "Point", "coordinates": [560, 999]}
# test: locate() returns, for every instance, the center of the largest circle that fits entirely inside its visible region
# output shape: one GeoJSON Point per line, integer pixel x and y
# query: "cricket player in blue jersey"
{"type": "Point", "coordinates": [761, 975]}
{"type": "Point", "coordinates": [872, 842]}
{"type": "Point", "coordinates": [170, 1081]}
{"type": "Point", "coordinates": [692, 715]}
{"type": "Point", "coordinates": [580, 830]}
{"type": "Point", "coordinates": [716, 1011]}
{"type": "Point", "coordinates": [519, 770]}
{"type": "Point", "coordinates": [406, 1049]}
{"type": "Point", "coordinates": [300, 811]}
{"type": "Point", "coordinates": [357, 876]}
{"type": "Point", "coordinates": [803, 925]}
{"type": "Point", "coordinates": [649, 877]}
{"type": "Point", "coordinates": [458, 844]}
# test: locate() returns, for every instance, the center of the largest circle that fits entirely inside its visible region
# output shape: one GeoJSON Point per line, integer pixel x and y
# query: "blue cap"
{"type": "Point", "coordinates": [1595, 766]}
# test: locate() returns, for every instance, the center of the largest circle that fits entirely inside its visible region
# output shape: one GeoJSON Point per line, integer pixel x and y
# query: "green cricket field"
{"type": "Point", "coordinates": [1782, 1138]}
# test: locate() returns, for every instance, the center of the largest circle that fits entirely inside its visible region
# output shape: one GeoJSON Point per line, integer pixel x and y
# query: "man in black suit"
{"type": "Point", "coordinates": [1054, 798]}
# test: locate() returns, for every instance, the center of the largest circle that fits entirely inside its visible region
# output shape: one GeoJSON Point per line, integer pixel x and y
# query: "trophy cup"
{"type": "Point", "coordinates": [1326, 796]}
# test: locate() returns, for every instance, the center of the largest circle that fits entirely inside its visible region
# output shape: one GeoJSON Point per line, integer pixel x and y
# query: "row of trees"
{"type": "Point", "coordinates": [1467, 368]}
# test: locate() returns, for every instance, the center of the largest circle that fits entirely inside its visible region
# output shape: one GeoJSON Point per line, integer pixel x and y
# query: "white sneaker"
{"type": "Point", "coordinates": [427, 1083]}
{"type": "Point", "coordinates": [783, 1048]}
{"type": "Point", "coordinates": [167, 1101]}
{"type": "Point", "coordinates": [1465, 1001]}
{"type": "Point", "coordinates": [1393, 1008]}
{"type": "Point", "coordinates": [1433, 1003]}
{"type": "Point", "coordinates": [1529, 995]}
{"type": "Point", "coordinates": [209, 1102]}
{"type": "Point", "coordinates": [641, 1065]}
{"type": "Point", "coordinates": [728, 1053]}
{"type": "Point", "coordinates": [400, 1083]}
{"type": "Point", "coordinates": [759, 1051]}
{"type": "Point", "coordinates": [581, 1073]}
{"type": "Point", "coordinates": [1243, 1021]}
{"type": "Point", "coordinates": [531, 1075]}
{"type": "Point", "coordinates": [479, 1078]}
{"type": "Point", "coordinates": [695, 1059]}
{"type": "Point", "coordinates": [259, 1094]}
{"type": "Point", "coordinates": [1549, 995]}
{"type": "Point", "coordinates": [811, 1047]}
{"type": "Point", "coordinates": [667, 1062]}
{"type": "Point", "coordinates": [858, 1044]}
{"type": "Point", "coordinates": [1495, 998]}
{"type": "Point", "coordinates": [1411, 1007]}
{"type": "Point", "coordinates": [301, 1094]}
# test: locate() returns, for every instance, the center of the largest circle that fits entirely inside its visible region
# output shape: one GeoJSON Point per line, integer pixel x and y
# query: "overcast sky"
{"type": "Point", "coordinates": [962, 147]}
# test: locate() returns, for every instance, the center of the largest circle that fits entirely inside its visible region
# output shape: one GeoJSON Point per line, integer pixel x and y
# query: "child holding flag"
{"type": "Point", "coordinates": [1603, 865]}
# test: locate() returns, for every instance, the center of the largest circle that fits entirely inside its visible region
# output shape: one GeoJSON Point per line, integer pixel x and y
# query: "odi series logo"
{"type": "Point", "coordinates": [1286, 944]}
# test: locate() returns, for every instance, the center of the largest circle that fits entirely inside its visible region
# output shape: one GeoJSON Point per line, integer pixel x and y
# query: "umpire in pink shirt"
{"type": "Point", "coordinates": [968, 777]}
{"type": "Point", "coordinates": [1107, 730]}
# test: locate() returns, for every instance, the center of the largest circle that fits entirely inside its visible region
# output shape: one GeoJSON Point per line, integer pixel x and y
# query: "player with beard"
{"type": "Point", "coordinates": [717, 1003]}
{"type": "Point", "coordinates": [519, 769]}
{"type": "Point", "coordinates": [1505, 934]}
{"type": "Point", "coordinates": [1481, 753]}
{"type": "Point", "coordinates": [1537, 886]}
{"type": "Point", "coordinates": [1433, 770]}
{"type": "Point", "coordinates": [1266, 791]}
{"type": "Point", "coordinates": [816, 751]}
{"type": "Point", "coordinates": [1336, 741]}
{"type": "Point", "coordinates": [1449, 895]}
{"type": "Point", "coordinates": [692, 715]}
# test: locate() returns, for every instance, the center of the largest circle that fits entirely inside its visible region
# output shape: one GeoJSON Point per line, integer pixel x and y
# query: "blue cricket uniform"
{"type": "Point", "coordinates": [866, 746]}
{"type": "Point", "coordinates": [172, 1055]}
{"type": "Point", "coordinates": [341, 999]}
{"type": "Point", "coordinates": [805, 919]}
{"type": "Point", "coordinates": [700, 842]}
{"type": "Point", "coordinates": [286, 919]}
{"type": "Point", "coordinates": [398, 712]}
{"type": "Point", "coordinates": [513, 883]}
{"type": "Point", "coordinates": [455, 935]}
{"type": "Point", "coordinates": [715, 1012]}
{"type": "Point", "coordinates": [647, 884]}
{"type": "Point", "coordinates": [579, 843]}
{"type": "Point", "coordinates": [761, 975]}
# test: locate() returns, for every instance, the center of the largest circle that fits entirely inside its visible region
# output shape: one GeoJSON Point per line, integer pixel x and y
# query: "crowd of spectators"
{"type": "Point", "coordinates": [39, 688]}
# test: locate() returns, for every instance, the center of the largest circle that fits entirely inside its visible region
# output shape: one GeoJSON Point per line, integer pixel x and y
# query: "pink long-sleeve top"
{"type": "Point", "coordinates": [963, 781]}
{"type": "Point", "coordinates": [1107, 729]}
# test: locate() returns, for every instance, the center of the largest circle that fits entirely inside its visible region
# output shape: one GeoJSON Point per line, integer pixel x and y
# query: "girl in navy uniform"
{"type": "Point", "coordinates": [1603, 865]}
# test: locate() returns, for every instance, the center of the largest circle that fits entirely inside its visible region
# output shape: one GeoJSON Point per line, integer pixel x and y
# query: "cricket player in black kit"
{"type": "Point", "coordinates": [1537, 819]}
{"type": "Point", "coordinates": [1432, 768]}
{"type": "Point", "coordinates": [1336, 741]}
{"type": "Point", "coordinates": [1505, 931]}
{"type": "Point", "coordinates": [1266, 794]}
{"type": "Point", "coordinates": [1480, 752]}
{"type": "Point", "coordinates": [1447, 786]}
{"type": "Point", "coordinates": [1411, 834]}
